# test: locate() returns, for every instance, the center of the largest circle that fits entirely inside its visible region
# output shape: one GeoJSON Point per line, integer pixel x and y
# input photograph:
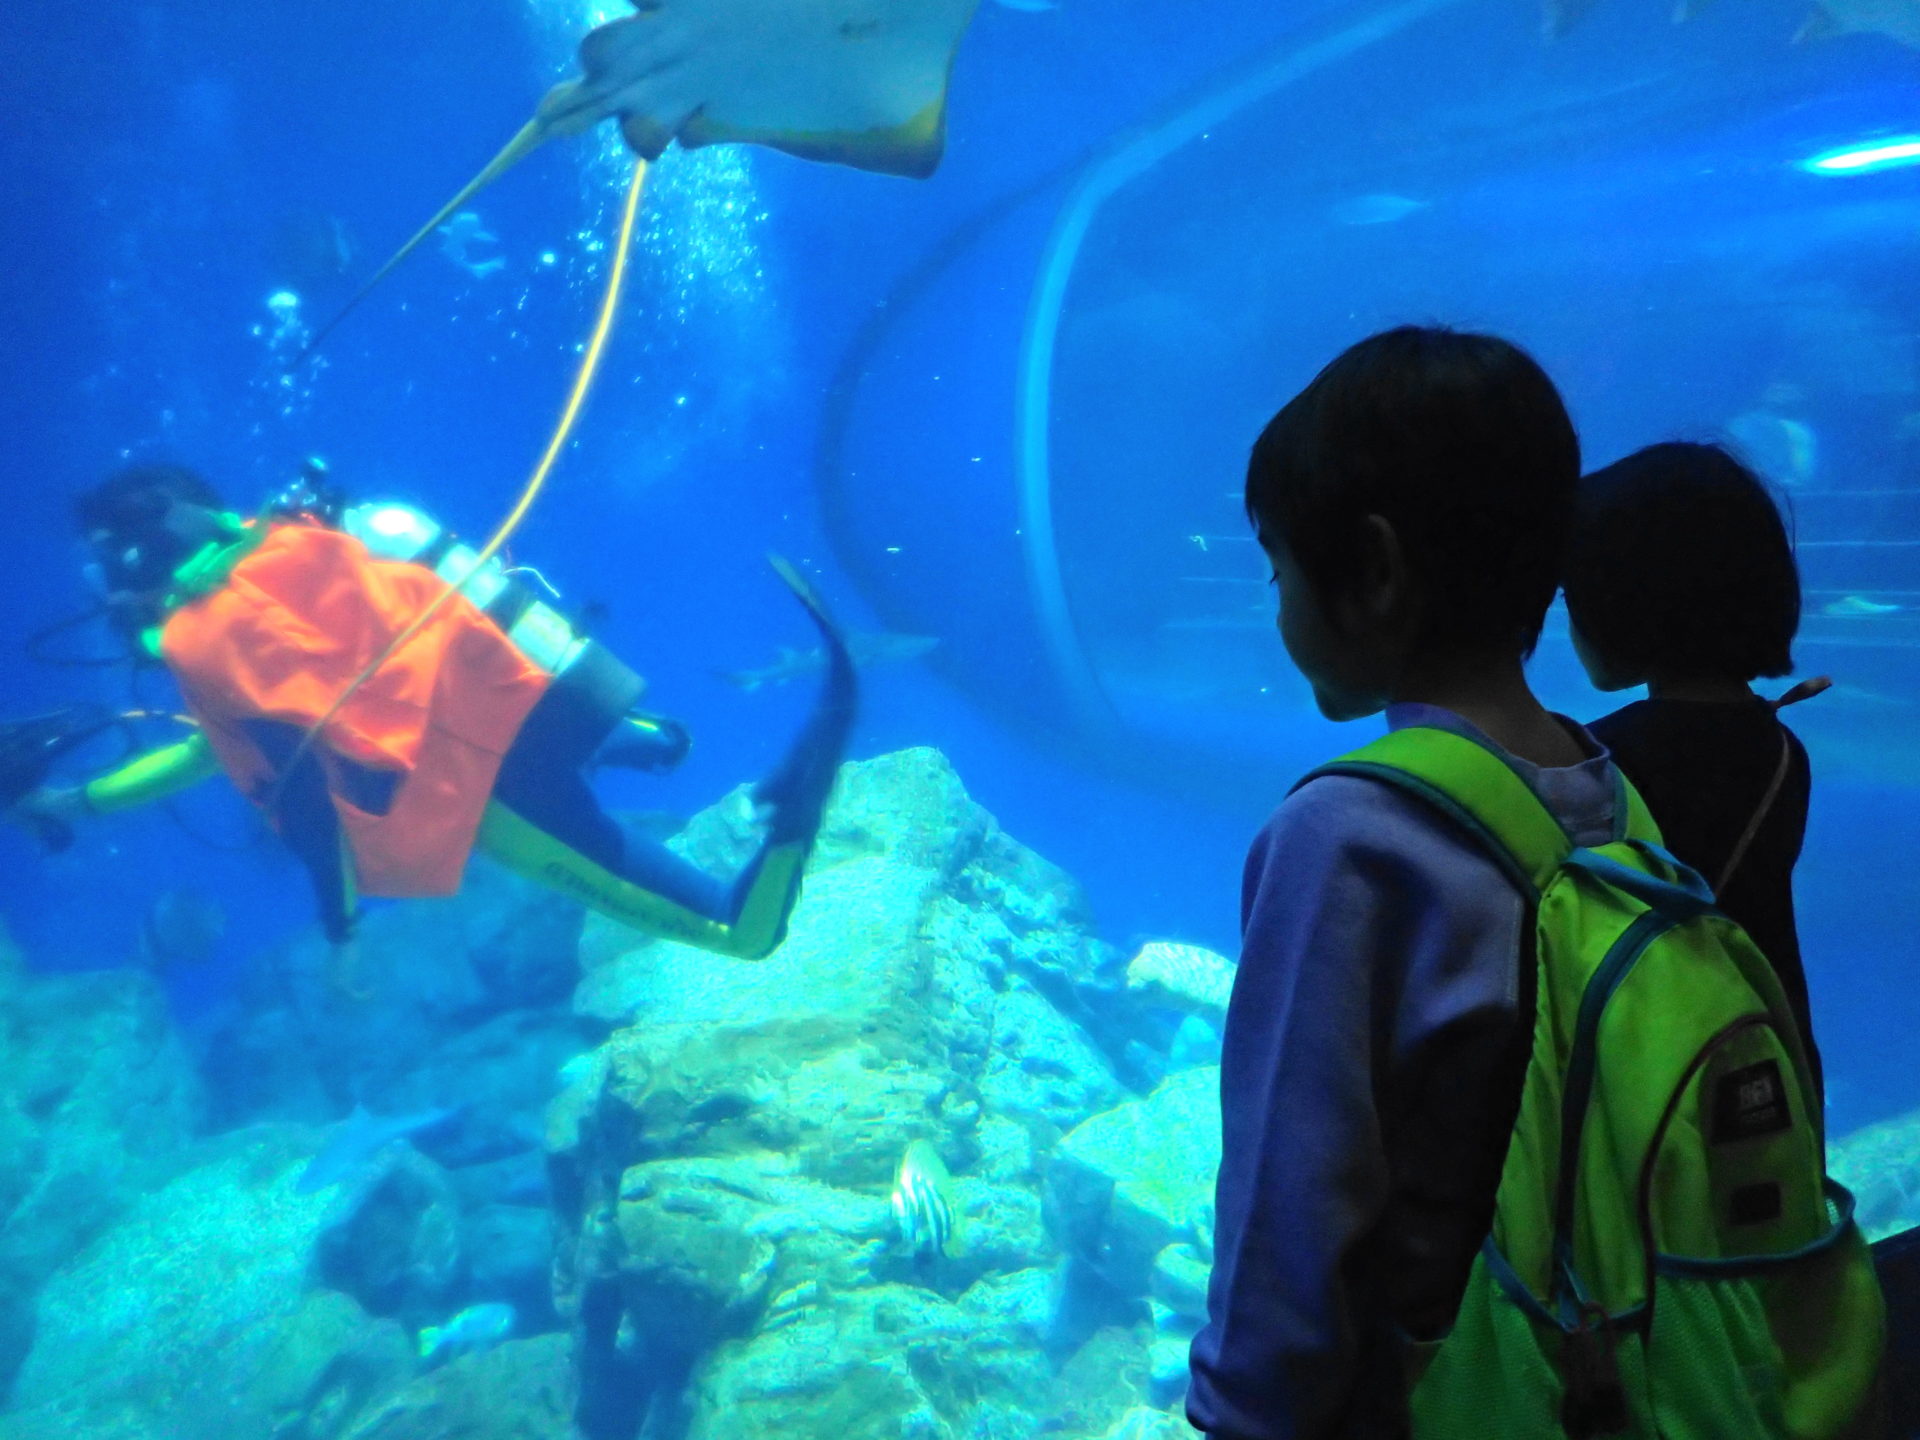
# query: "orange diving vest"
{"type": "Point", "coordinates": [297, 622]}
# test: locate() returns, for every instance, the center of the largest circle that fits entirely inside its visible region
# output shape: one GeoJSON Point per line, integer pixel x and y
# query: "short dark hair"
{"type": "Point", "coordinates": [1462, 443]}
{"type": "Point", "coordinates": [1680, 565]}
{"type": "Point", "coordinates": [136, 499]}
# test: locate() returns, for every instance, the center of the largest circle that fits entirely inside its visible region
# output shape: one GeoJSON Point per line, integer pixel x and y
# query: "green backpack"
{"type": "Point", "coordinates": [1668, 1256]}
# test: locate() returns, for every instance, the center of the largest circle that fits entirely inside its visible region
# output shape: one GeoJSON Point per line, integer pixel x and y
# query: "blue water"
{"type": "Point", "coordinates": [1194, 212]}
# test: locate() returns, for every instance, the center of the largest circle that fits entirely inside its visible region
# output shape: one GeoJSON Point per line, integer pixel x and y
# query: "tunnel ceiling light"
{"type": "Point", "coordinates": [1865, 159]}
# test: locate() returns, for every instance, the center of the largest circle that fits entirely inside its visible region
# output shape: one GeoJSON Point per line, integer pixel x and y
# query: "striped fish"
{"type": "Point", "coordinates": [920, 1205]}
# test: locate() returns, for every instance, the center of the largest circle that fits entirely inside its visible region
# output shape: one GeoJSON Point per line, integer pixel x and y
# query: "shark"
{"type": "Point", "coordinates": [861, 83]}
{"type": "Point", "coordinates": [358, 1139]}
{"type": "Point", "coordinates": [877, 648]}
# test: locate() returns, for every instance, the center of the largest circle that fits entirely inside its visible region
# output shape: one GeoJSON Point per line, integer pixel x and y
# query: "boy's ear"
{"type": "Point", "coordinates": [1385, 582]}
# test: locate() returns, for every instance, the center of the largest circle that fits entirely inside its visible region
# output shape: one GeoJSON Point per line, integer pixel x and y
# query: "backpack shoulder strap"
{"type": "Point", "coordinates": [1484, 795]}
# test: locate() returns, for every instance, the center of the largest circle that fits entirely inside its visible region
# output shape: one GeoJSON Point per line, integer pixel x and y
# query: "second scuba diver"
{"type": "Point", "coordinates": [477, 733]}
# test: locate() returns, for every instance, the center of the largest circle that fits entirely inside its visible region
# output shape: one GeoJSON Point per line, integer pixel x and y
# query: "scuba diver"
{"type": "Point", "coordinates": [383, 773]}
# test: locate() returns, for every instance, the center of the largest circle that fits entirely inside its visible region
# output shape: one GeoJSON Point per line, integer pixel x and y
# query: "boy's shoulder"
{"type": "Point", "coordinates": [1357, 820]}
{"type": "Point", "coordinates": [1382, 875]}
{"type": "Point", "coordinates": [1334, 820]}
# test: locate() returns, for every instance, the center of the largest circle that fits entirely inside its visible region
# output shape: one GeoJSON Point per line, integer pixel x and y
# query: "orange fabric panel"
{"type": "Point", "coordinates": [297, 621]}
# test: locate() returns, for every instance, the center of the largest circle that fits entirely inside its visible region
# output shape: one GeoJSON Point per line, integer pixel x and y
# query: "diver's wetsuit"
{"type": "Point", "coordinates": [545, 823]}
{"type": "Point", "coordinates": [542, 819]}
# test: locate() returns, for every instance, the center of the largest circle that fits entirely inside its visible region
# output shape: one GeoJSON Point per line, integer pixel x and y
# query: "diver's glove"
{"type": "Point", "coordinates": [50, 814]}
{"type": "Point", "coordinates": [796, 793]}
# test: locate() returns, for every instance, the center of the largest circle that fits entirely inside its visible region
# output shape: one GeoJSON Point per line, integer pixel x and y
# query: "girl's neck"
{"type": "Point", "coordinates": [1697, 689]}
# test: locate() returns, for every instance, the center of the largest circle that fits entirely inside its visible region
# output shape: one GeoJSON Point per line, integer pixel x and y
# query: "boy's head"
{"type": "Point", "coordinates": [1413, 501]}
{"type": "Point", "coordinates": [1679, 568]}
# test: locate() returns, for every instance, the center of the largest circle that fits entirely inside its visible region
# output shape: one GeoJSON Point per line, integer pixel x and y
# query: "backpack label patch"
{"type": "Point", "coordinates": [1750, 1102]}
{"type": "Point", "coordinates": [1755, 1204]}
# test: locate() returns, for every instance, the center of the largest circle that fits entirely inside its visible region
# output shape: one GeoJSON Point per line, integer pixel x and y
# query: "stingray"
{"type": "Point", "coordinates": [853, 82]}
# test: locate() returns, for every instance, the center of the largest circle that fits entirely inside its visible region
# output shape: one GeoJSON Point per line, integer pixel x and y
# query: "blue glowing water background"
{"type": "Point", "coordinates": [839, 367]}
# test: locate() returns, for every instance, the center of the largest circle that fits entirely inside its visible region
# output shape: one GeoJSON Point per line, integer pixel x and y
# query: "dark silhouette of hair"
{"type": "Point", "coordinates": [1462, 443]}
{"type": "Point", "coordinates": [1679, 565]}
{"type": "Point", "coordinates": [129, 509]}
{"type": "Point", "coordinates": [130, 502]}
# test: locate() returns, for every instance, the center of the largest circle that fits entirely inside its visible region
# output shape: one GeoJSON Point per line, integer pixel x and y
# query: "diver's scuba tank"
{"type": "Point", "coordinates": [395, 531]}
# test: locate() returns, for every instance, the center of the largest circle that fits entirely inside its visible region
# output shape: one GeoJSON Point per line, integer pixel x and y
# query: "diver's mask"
{"type": "Point", "coordinates": [144, 569]}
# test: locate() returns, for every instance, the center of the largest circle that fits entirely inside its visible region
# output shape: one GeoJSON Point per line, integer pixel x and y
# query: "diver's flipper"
{"type": "Point", "coordinates": [517, 149]}
{"type": "Point", "coordinates": [797, 791]}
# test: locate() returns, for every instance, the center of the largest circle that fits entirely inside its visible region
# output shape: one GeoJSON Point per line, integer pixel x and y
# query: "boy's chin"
{"type": "Point", "coordinates": [1337, 706]}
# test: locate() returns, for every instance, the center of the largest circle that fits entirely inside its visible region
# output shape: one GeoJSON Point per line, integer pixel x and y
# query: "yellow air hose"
{"type": "Point", "coordinates": [582, 383]}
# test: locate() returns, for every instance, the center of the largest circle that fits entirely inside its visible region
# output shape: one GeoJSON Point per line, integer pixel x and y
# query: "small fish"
{"type": "Point", "coordinates": [1852, 606]}
{"type": "Point", "coordinates": [920, 1205]}
{"type": "Point", "coordinates": [475, 1329]}
{"type": "Point", "coordinates": [457, 239]}
{"type": "Point", "coordinates": [360, 1137]}
{"type": "Point", "coordinates": [182, 929]}
{"type": "Point", "coordinates": [1376, 209]}
{"type": "Point", "coordinates": [877, 648]}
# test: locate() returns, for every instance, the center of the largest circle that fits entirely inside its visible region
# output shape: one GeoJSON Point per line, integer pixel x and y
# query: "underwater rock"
{"type": "Point", "coordinates": [1140, 1423]}
{"type": "Point", "coordinates": [502, 1073]}
{"type": "Point", "coordinates": [721, 1168]}
{"type": "Point", "coordinates": [1195, 1043]}
{"type": "Point", "coordinates": [509, 1252]}
{"type": "Point", "coordinates": [1127, 1184]}
{"type": "Point", "coordinates": [522, 1390]}
{"type": "Point", "coordinates": [1880, 1164]}
{"type": "Point", "coordinates": [1100, 1384]}
{"type": "Point", "coordinates": [397, 1249]}
{"type": "Point", "coordinates": [1043, 1069]}
{"type": "Point", "coordinates": [882, 1363]}
{"type": "Point", "coordinates": [98, 1103]}
{"type": "Point", "coordinates": [1186, 978]}
{"type": "Point", "coordinates": [1173, 1335]}
{"type": "Point", "coordinates": [438, 970]}
{"type": "Point", "coordinates": [703, 1247]}
{"type": "Point", "coordinates": [1179, 1281]}
{"type": "Point", "coordinates": [512, 1180]}
{"type": "Point", "coordinates": [194, 1317]}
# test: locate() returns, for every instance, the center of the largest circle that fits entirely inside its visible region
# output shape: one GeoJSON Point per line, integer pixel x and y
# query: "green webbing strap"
{"type": "Point", "coordinates": [1476, 787]}
{"type": "Point", "coordinates": [153, 776]}
{"type": "Point", "coordinates": [205, 571]}
{"type": "Point", "coordinates": [1840, 1206]}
